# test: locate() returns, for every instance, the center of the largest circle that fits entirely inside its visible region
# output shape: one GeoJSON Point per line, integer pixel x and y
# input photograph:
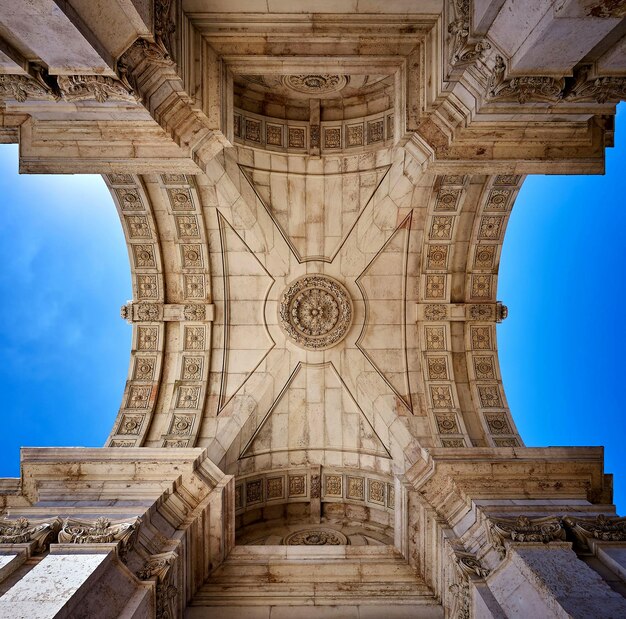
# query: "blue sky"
{"type": "Point", "coordinates": [64, 349]}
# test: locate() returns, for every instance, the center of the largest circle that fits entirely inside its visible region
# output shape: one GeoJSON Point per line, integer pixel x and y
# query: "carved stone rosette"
{"type": "Point", "coordinates": [316, 537]}
{"type": "Point", "coordinates": [23, 531]}
{"type": "Point", "coordinates": [102, 531]}
{"type": "Point", "coordinates": [524, 529]}
{"type": "Point", "coordinates": [315, 312]}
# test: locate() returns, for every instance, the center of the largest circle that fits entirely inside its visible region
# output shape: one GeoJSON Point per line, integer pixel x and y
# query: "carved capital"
{"type": "Point", "coordinates": [21, 87]}
{"type": "Point", "coordinates": [160, 567]}
{"type": "Point", "coordinates": [602, 528]}
{"type": "Point", "coordinates": [100, 88]}
{"type": "Point", "coordinates": [100, 531]}
{"type": "Point", "coordinates": [523, 89]}
{"type": "Point", "coordinates": [524, 529]}
{"type": "Point", "coordinates": [23, 531]}
{"type": "Point", "coordinates": [598, 88]}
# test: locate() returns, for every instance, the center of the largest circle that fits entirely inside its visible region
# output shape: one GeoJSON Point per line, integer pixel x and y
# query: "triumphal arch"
{"type": "Point", "coordinates": [314, 197]}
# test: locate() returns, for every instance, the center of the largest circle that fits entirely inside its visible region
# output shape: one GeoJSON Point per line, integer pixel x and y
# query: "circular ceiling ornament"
{"type": "Point", "coordinates": [315, 84]}
{"type": "Point", "coordinates": [316, 537]}
{"type": "Point", "coordinates": [315, 311]}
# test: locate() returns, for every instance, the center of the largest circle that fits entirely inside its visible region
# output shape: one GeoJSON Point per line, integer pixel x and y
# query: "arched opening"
{"type": "Point", "coordinates": [561, 275]}
{"type": "Point", "coordinates": [63, 347]}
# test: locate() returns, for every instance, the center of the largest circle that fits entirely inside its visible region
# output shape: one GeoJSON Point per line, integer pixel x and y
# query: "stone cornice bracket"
{"type": "Point", "coordinates": [590, 87]}
{"type": "Point", "coordinates": [95, 87]}
{"type": "Point", "coordinates": [484, 312]}
{"type": "Point", "coordinates": [160, 568]}
{"type": "Point", "coordinates": [463, 50]}
{"type": "Point", "coordinates": [525, 529]}
{"type": "Point", "coordinates": [602, 528]}
{"type": "Point", "coordinates": [100, 531]}
{"type": "Point", "coordinates": [167, 312]}
{"type": "Point", "coordinates": [523, 89]}
{"type": "Point", "coordinates": [23, 531]}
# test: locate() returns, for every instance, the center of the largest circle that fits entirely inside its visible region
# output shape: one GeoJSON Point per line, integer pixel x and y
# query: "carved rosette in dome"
{"type": "Point", "coordinates": [315, 84]}
{"type": "Point", "coordinates": [316, 537]}
{"type": "Point", "coordinates": [315, 312]}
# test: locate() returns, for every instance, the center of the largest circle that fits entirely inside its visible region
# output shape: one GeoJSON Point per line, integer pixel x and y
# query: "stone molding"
{"type": "Point", "coordinates": [483, 312]}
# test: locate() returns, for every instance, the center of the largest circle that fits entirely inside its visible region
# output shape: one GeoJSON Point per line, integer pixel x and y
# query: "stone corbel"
{"type": "Point", "coordinates": [38, 533]}
{"type": "Point", "coordinates": [524, 529]}
{"type": "Point", "coordinates": [160, 568]}
{"type": "Point", "coordinates": [167, 312]}
{"type": "Point", "coordinates": [484, 312]}
{"type": "Point", "coordinates": [100, 531]}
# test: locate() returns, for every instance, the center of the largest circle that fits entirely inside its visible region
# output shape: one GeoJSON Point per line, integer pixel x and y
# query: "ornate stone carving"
{"type": "Point", "coordinates": [316, 537]}
{"type": "Point", "coordinates": [524, 529]}
{"type": "Point", "coordinates": [502, 311]}
{"type": "Point", "coordinates": [463, 50]}
{"type": "Point", "coordinates": [469, 565]}
{"type": "Point", "coordinates": [601, 89]}
{"type": "Point", "coordinates": [603, 528]}
{"type": "Point", "coordinates": [315, 83]}
{"type": "Point", "coordinates": [160, 567]}
{"type": "Point", "coordinates": [435, 312]}
{"type": "Point", "coordinates": [20, 87]}
{"type": "Point", "coordinates": [164, 26]}
{"type": "Point", "coordinates": [315, 486]}
{"type": "Point", "coordinates": [23, 531]}
{"type": "Point", "coordinates": [523, 88]}
{"type": "Point", "coordinates": [141, 312]}
{"type": "Point", "coordinates": [297, 485]}
{"type": "Point", "coordinates": [315, 312]}
{"type": "Point", "coordinates": [100, 88]}
{"type": "Point", "coordinates": [102, 531]}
